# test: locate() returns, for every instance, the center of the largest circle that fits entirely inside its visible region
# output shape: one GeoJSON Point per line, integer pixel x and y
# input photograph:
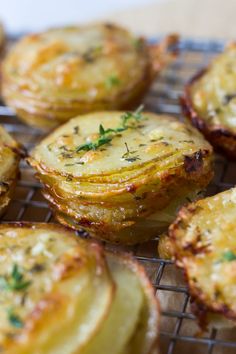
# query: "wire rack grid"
{"type": "Point", "coordinates": [178, 325]}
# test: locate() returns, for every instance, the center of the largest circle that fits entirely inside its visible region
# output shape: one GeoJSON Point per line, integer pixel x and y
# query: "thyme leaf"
{"type": "Point", "coordinates": [14, 319]}
{"type": "Point", "coordinates": [106, 135]}
{"type": "Point", "coordinates": [15, 281]}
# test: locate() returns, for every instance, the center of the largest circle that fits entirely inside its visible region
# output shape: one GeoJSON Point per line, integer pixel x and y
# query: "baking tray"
{"type": "Point", "coordinates": [179, 330]}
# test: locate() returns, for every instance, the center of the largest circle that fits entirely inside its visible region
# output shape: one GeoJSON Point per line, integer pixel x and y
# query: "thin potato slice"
{"type": "Point", "coordinates": [138, 333]}
{"type": "Point", "coordinates": [145, 338]}
{"type": "Point", "coordinates": [118, 327]}
{"type": "Point", "coordinates": [204, 237]}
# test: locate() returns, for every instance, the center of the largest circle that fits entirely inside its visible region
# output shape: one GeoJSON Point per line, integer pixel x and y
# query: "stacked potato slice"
{"type": "Point", "coordinates": [10, 153]}
{"type": "Point", "coordinates": [204, 243]}
{"type": "Point", "coordinates": [209, 101]}
{"type": "Point", "coordinates": [50, 77]}
{"type": "Point", "coordinates": [120, 175]}
{"type": "Point", "coordinates": [62, 295]}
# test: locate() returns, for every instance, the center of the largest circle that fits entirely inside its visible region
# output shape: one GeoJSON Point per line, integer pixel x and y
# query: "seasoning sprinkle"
{"type": "Point", "coordinates": [106, 135]}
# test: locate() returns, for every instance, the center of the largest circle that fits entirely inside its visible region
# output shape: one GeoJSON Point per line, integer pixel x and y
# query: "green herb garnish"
{"type": "Point", "coordinates": [112, 81]}
{"type": "Point", "coordinates": [228, 256]}
{"type": "Point", "coordinates": [14, 319]}
{"type": "Point", "coordinates": [106, 135]}
{"type": "Point", "coordinates": [137, 115]}
{"type": "Point", "coordinates": [15, 281]}
{"type": "Point", "coordinates": [102, 140]}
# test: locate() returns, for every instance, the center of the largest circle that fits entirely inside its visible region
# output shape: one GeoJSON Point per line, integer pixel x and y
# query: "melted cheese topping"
{"type": "Point", "coordinates": [153, 139]}
{"type": "Point", "coordinates": [77, 63]}
{"type": "Point", "coordinates": [214, 94]}
{"type": "Point", "coordinates": [206, 247]}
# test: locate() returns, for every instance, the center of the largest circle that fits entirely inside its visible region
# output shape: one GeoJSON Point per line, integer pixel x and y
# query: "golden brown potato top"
{"type": "Point", "coordinates": [30, 264]}
{"type": "Point", "coordinates": [205, 245]}
{"type": "Point", "coordinates": [109, 142]}
{"type": "Point", "coordinates": [77, 63]}
{"type": "Point", "coordinates": [214, 93]}
{"type": "Point", "coordinates": [47, 280]}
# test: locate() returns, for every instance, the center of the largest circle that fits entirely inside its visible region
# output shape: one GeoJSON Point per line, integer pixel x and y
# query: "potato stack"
{"type": "Point", "coordinates": [209, 101]}
{"type": "Point", "coordinates": [10, 154]}
{"type": "Point", "coordinates": [63, 295]}
{"type": "Point", "coordinates": [121, 175]}
{"type": "Point", "coordinates": [50, 77]}
{"type": "Point", "coordinates": [203, 240]}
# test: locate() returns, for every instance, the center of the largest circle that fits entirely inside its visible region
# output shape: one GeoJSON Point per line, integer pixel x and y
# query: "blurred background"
{"type": "Point", "coordinates": [199, 18]}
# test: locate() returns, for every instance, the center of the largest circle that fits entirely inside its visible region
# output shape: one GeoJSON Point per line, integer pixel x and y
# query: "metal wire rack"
{"type": "Point", "coordinates": [178, 327]}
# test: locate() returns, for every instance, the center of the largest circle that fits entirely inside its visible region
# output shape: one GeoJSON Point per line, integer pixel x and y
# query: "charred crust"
{"type": "Point", "coordinates": [20, 150]}
{"type": "Point", "coordinates": [84, 222]}
{"type": "Point", "coordinates": [219, 136]}
{"type": "Point", "coordinates": [194, 162]}
{"type": "Point", "coordinates": [5, 186]}
{"type": "Point", "coordinates": [200, 311]}
{"type": "Point", "coordinates": [131, 188]}
{"type": "Point", "coordinates": [201, 305]}
{"type": "Point", "coordinates": [196, 247]}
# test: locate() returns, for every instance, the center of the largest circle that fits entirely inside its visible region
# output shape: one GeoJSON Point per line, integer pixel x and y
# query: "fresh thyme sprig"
{"type": "Point", "coordinates": [15, 281]}
{"type": "Point", "coordinates": [137, 115]}
{"type": "Point", "coordinates": [106, 135]}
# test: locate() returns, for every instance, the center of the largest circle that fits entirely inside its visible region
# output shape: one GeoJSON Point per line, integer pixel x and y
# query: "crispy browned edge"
{"type": "Point", "coordinates": [219, 136]}
{"type": "Point", "coordinates": [200, 305]}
